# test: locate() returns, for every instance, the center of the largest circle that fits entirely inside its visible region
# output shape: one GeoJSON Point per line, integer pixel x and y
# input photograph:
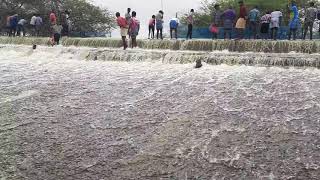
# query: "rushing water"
{"type": "Point", "coordinates": [195, 45]}
{"type": "Point", "coordinates": [63, 117]}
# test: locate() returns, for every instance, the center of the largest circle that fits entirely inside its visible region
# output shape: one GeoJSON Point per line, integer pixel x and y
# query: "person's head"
{"type": "Point", "coordinates": [217, 6]}
{"type": "Point", "coordinates": [134, 14]}
{"type": "Point", "coordinates": [230, 7]}
{"type": "Point", "coordinates": [129, 10]}
{"type": "Point", "coordinates": [153, 16]}
{"type": "Point", "coordinates": [293, 3]}
{"type": "Point", "coordinates": [311, 4]}
{"type": "Point", "coordinates": [53, 11]}
{"type": "Point", "coordinates": [117, 14]}
{"type": "Point", "coordinates": [192, 11]}
{"type": "Point", "coordinates": [268, 12]}
{"type": "Point", "coordinates": [256, 7]}
{"type": "Point", "coordinates": [161, 12]}
{"type": "Point", "coordinates": [67, 12]}
{"type": "Point", "coordinates": [241, 3]}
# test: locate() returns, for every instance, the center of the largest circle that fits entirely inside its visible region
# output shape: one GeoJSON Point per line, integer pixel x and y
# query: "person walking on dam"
{"type": "Point", "coordinates": [122, 23]}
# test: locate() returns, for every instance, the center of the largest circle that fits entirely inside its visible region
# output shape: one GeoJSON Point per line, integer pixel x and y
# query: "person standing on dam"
{"type": "Point", "coordinates": [152, 24]}
{"type": "Point", "coordinates": [134, 28]}
{"type": "Point", "coordinates": [295, 22]}
{"type": "Point", "coordinates": [38, 25]}
{"type": "Point", "coordinates": [216, 20]}
{"type": "Point", "coordinates": [21, 27]}
{"type": "Point", "coordinates": [56, 33]}
{"type": "Point", "coordinates": [33, 24]}
{"type": "Point", "coordinates": [241, 23]}
{"type": "Point", "coordinates": [310, 17]}
{"type": "Point", "coordinates": [159, 24]}
{"type": "Point", "coordinates": [190, 21]}
{"type": "Point", "coordinates": [13, 25]}
{"type": "Point", "coordinates": [265, 25]}
{"type": "Point", "coordinates": [122, 23]}
{"type": "Point", "coordinates": [276, 18]}
{"type": "Point", "coordinates": [254, 15]}
{"type": "Point", "coordinates": [174, 23]}
{"type": "Point", "coordinates": [127, 15]}
{"type": "Point", "coordinates": [229, 17]}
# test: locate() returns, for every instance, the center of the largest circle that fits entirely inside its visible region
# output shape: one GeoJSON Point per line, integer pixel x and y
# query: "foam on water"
{"type": "Point", "coordinates": [134, 116]}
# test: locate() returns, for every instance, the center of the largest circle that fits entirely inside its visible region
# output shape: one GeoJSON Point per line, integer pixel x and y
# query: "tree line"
{"type": "Point", "coordinates": [84, 16]}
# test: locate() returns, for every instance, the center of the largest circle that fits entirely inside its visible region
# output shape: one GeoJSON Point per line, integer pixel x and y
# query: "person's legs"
{"type": "Point", "coordinates": [161, 33]}
{"type": "Point", "coordinates": [158, 30]}
{"type": "Point", "coordinates": [306, 26]}
{"type": "Point", "coordinates": [189, 34]}
{"type": "Point", "coordinates": [152, 32]}
{"type": "Point", "coordinates": [290, 34]}
{"type": "Point", "coordinates": [311, 31]}
{"type": "Point", "coordinates": [294, 33]}
{"type": "Point", "coordinates": [255, 30]}
{"type": "Point", "coordinates": [176, 33]}
{"type": "Point", "coordinates": [171, 32]}
{"type": "Point", "coordinates": [19, 30]}
{"type": "Point", "coordinates": [275, 37]}
{"type": "Point", "coordinates": [23, 31]}
{"type": "Point", "coordinates": [124, 43]}
{"type": "Point", "coordinates": [191, 29]}
{"type": "Point", "coordinates": [149, 32]}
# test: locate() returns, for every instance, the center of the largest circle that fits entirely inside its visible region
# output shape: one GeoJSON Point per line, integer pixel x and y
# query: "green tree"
{"type": "Point", "coordinates": [84, 15]}
{"type": "Point", "coordinates": [203, 14]}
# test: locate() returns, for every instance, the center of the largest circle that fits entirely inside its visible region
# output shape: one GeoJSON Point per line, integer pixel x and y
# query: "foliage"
{"type": "Point", "coordinates": [84, 15]}
{"type": "Point", "coordinates": [203, 14]}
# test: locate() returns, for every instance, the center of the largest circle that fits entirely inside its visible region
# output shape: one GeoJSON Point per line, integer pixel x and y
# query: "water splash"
{"type": "Point", "coordinates": [194, 45]}
{"type": "Point", "coordinates": [167, 56]}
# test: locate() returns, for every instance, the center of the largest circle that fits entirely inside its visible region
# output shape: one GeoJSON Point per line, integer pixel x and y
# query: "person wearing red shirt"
{"type": "Point", "coordinates": [123, 24]}
{"type": "Point", "coordinates": [241, 23]}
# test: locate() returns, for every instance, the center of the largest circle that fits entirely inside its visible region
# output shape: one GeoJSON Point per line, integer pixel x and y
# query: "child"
{"type": "Point", "coordinates": [152, 24]}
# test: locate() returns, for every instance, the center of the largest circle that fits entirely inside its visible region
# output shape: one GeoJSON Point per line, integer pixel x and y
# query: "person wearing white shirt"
{"type": "Point", "coordinates": [276, 17]}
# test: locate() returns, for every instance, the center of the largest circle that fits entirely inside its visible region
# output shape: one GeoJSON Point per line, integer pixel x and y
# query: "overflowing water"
{"type": "Point", "coordinates": [195, 45]}
{"type": "Point", "coordinates": [87, 113]}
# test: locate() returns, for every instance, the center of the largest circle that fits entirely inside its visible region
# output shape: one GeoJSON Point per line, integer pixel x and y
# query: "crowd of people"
{"type": "Point", "coordinates": [265, 25]}
{"type": "Point", "coordinates": [18, 26]}
{"type": "Point", "coordinates": [261, 25]}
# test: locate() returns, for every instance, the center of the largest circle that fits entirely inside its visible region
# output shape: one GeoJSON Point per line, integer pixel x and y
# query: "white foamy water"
{"type": "Point", "coordinates": [64, 117]}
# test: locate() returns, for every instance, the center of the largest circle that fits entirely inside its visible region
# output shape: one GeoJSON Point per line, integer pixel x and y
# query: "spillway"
{"type": "Point", "coordinates": [89, 110]}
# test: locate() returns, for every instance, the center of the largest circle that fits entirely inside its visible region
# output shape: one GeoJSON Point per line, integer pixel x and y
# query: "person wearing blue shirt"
{"type": "Point", "coordinates": [13, 25]}
{"type": "Point", "coordinates": [295, 22]}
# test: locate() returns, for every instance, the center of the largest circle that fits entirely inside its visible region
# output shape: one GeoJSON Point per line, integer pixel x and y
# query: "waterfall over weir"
{"type": "Point", "coordinates": [171, 57]}
{"type": "Point", "coordinates": [194, 45]}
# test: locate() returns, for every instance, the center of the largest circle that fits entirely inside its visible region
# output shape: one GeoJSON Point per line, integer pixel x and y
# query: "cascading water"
{"type": "Point", "coordinates": [104, 113]}
{"type": "Point", "coordinates": [195, 45]}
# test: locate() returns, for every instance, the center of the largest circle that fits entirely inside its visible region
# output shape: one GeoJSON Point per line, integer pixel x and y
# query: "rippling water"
{"type": "Point", "coordinates": [65, 118]}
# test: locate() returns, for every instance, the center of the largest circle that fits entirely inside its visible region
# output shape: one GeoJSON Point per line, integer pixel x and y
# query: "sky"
{"type": "Point", "coordinates": [146, 8]}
